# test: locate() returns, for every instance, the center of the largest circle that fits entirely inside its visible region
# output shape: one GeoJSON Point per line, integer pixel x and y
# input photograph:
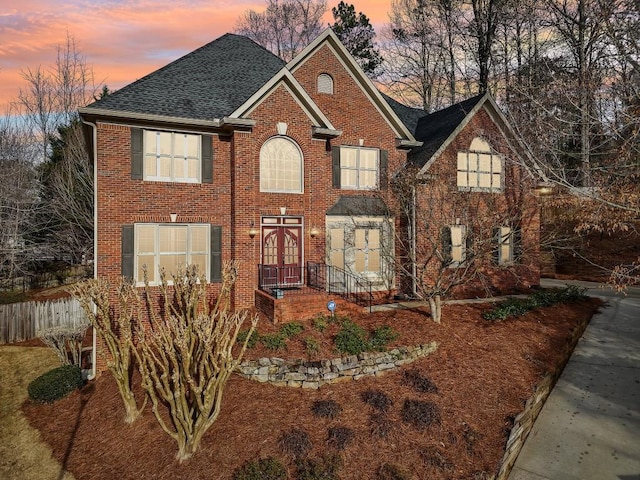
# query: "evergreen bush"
{"type": "Point", "coordinates": [55, 384]}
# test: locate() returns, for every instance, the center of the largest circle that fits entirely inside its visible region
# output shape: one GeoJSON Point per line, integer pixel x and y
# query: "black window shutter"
{"type": "Point", "coordinates": [468, 244]}
{"type": "Point", "coordinates": [497, 240]}
{"type": "Point", "coordinates": [517, 244]}
{"type": "Point", "coordinates": [384, 161]}
{"type": "Point", "coordinates": [445, 240]}
{"type": "Point", "coordinates": [127, 252]}
{"type": "Point", "coordinates": [335, 162]}
{"type": "Point", "coordinates": [216, 254]}
{"type": "Point", "coordinates": [207, 159]}
{"type": "Point", "coordinates": [136, 153]}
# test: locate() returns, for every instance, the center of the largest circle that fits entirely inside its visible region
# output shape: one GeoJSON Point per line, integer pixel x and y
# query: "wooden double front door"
{"type": "Point", "coordinates": [282, 251]}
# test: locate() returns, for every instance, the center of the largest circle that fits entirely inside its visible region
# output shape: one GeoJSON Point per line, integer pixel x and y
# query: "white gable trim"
{"type": "Point", "coordinates": [286, 79]}
{"type": "Point", "coordinates": [328, 38]}
{"type": "Point", "coordinates": [498, 119]}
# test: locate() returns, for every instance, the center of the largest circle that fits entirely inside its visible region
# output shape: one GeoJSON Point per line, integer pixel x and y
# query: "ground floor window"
{"type": "Point", "coordinates": [362, 246]}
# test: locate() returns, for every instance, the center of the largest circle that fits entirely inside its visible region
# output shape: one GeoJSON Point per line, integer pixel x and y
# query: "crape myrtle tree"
{"type": "Point", "coordinates": [285, 27]}
{"type": "Point", "coordinates": [187, 354]}
{"type": "Point", "coordinates": [358, 36]}
{"type": "Point", "coordinates": [454, 240]}
{"type": "Point", "coordinates": [114, 317]}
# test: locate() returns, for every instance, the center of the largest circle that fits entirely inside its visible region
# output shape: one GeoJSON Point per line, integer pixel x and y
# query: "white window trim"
{"type": "Point", "coordinates": [475, 153]}
{"type": "Point", "coordinates": [157, 254]}
{"type": "Point", "coordinates": [358, 169]}
{"type": "Point", "coordinates": [147, 156]}
{"type": "Point", "coordinates": [462, 245]}
{"type": "Point", "coordinates": [505, 239]}
{"type": "Point", "coordinates": [270, 190]}
{"type": "Point", "coordinates": [384, 278]}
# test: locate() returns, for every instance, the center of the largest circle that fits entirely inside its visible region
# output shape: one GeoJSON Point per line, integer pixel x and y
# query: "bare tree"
{"type": "Point", "coordinates": [187, 355]}
{"type": "Point", "coordinates": [285, 27]}
{"type": "Point", "coordinates": [114, 324]}
{"type": "Point", "coordinates": [18, 196]}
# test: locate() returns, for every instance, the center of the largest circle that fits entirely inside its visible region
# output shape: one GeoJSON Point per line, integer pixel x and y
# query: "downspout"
{"type": "Point", "coordinates": [94, 129]}
{"type": "Point", "coordinates": [414, 267]}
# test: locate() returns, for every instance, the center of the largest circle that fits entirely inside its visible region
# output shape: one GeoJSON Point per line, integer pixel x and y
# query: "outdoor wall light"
{"type": "Point", "coordinates": [543, 188]}
{"type": "Point", "coordinates": [253, 231]}
{"type": "Point", "coordinates": [314, 232]}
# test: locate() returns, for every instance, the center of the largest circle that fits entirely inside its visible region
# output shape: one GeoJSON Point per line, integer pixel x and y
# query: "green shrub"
{"type": "Point", "coordinates": [263, 469]}
{"type": "Point", "coordinates": [253, 341]}
{"type": "Point", "coordinates": [55, 384]}
{"type": "Point", "coordinates": [351, 339]}
{"type": "Point", "coordinates": [320, 323]}
{"type": "Point", "coordinates": [325, 468]}
{"type": "Point", "coordinates": [291, 329]}
{"type": "Point", "coordinates": [274, 341]}
{"type": "Point", "coordinates": [311, 346]}
{"type": "Point", "coordinates": [381, 336]}
{"type": "Point", "coordinates": [515, 307]}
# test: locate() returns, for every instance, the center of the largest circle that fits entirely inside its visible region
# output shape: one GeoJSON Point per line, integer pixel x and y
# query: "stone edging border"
{"type": "Point", "coordinates": [314, 374]}
{"type": "Point", "coordinates": [523, 423]}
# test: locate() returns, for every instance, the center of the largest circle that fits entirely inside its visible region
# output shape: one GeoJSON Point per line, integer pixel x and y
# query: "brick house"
{"type": "Point", "coordinates": [229, 153]}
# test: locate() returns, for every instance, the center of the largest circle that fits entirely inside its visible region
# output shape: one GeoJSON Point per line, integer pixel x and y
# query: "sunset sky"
{"type": "Point", "coordinates": [122, 40]}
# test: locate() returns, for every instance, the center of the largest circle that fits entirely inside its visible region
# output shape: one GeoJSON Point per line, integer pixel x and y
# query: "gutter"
{"type": "Point", "coordinates": [94, 149]}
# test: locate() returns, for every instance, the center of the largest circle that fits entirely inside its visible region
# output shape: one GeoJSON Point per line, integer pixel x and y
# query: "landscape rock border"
{"type": "Point", "coordinates": [314, 374]}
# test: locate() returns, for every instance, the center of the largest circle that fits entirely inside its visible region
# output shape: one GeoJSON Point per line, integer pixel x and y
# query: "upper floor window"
{"type": "Point", "coordinates": [281, 166]}
{"type": "Point", "coordinates": [171, 157]}
{"type": "Point", "coordinates": [325, 83]}
{"type": "Point", "coordinates": [359, 168]}
{"type": "Point", "coordinates": [480, 169]}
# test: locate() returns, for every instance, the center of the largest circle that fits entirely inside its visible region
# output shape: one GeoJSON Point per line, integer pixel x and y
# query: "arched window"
{"type": "Point", "coordinates": [480, 168]}
{"type": "Point", "coordinates": [325, 83]}
{"type": "Point", "coordinates": [280, 166]}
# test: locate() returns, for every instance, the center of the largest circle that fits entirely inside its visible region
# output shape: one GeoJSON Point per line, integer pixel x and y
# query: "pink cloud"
{"type": "Point", "coordinates": [122, 40]}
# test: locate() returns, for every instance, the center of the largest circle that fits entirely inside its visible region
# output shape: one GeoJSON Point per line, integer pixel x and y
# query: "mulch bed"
{"type": "Point", "coordinates": [479, 378]}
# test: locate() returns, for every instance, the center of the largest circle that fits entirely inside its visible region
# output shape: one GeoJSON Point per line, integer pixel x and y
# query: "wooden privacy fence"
{"type": "Point", "coordinates": [22, 321]}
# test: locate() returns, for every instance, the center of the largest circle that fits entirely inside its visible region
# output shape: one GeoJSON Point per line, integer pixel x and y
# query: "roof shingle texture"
{"type": "Point", "coordinates": [434, 129]}
{"type": "Point", "coordinates": [210, 82]}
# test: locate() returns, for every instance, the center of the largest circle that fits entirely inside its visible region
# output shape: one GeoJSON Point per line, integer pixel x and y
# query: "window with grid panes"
{"type": "Point", "coordinates": [479, 168]}
{"type": "Point", "coordinates": [172, 157]}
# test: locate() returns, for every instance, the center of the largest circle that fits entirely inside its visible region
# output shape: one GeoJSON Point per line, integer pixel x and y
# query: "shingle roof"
{"type": "Point", "coordinates": [408, 115]}
{"type": "Point", "coordinates": [210, 82]}
{"type": "Point", "coordinates": [349, 205]}
{"type": "Point", "coordinates": [434, 129]}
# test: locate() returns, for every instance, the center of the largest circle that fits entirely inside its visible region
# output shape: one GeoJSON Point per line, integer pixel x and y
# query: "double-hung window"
{"type": "Point", "coordinates": [455, 242]}
{"type": "Point", "coordinates": [367, 250]}
{"type": "Point", "coordinates": [506, 241]}
{"type": "Point", "coordinates": [172, 157]}
{"type": "Point", "coordinates": [169, 246]}
{"type": "Point", "coordinates": [359, 168]}
{"type": "Point", "coordinates": [479, 168]}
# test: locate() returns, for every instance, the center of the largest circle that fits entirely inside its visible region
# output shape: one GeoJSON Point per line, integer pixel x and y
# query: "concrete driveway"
{"type": "Point", "coordinates": [589, 427]}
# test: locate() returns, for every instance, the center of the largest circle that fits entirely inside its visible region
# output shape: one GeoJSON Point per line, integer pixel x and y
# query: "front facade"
{"type": "Point", "coordinates": [287, 168]}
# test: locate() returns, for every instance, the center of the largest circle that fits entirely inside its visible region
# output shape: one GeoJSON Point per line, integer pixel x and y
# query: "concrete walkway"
{"type": "Point", "coordinates": [589, 428]}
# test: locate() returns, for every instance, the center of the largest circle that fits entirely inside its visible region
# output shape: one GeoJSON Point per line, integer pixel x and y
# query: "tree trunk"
{"type": "Point", "coordinates": [435, 303]}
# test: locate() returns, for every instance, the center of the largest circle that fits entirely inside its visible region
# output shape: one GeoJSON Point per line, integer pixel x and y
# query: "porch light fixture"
{"type": "Point", "coordinates": [543, 189]}
{"type": "Point", "coordinates": [253, 231]}
{"type": "Point", "coordinates": [314, 232]}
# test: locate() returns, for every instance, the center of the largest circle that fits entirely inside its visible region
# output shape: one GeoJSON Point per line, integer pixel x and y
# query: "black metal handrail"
{"type": "Point", "coordinates": [318, 277]}
{"type": "Point", "coordinates": [349, 286]}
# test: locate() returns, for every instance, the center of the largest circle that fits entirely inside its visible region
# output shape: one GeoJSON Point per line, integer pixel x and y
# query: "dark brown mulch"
{"type": "Point", "coordinates": [482, 373]}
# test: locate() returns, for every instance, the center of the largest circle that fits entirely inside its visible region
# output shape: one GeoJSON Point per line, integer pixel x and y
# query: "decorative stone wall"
{"type": "Point", "coordinates": [314, 374]}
